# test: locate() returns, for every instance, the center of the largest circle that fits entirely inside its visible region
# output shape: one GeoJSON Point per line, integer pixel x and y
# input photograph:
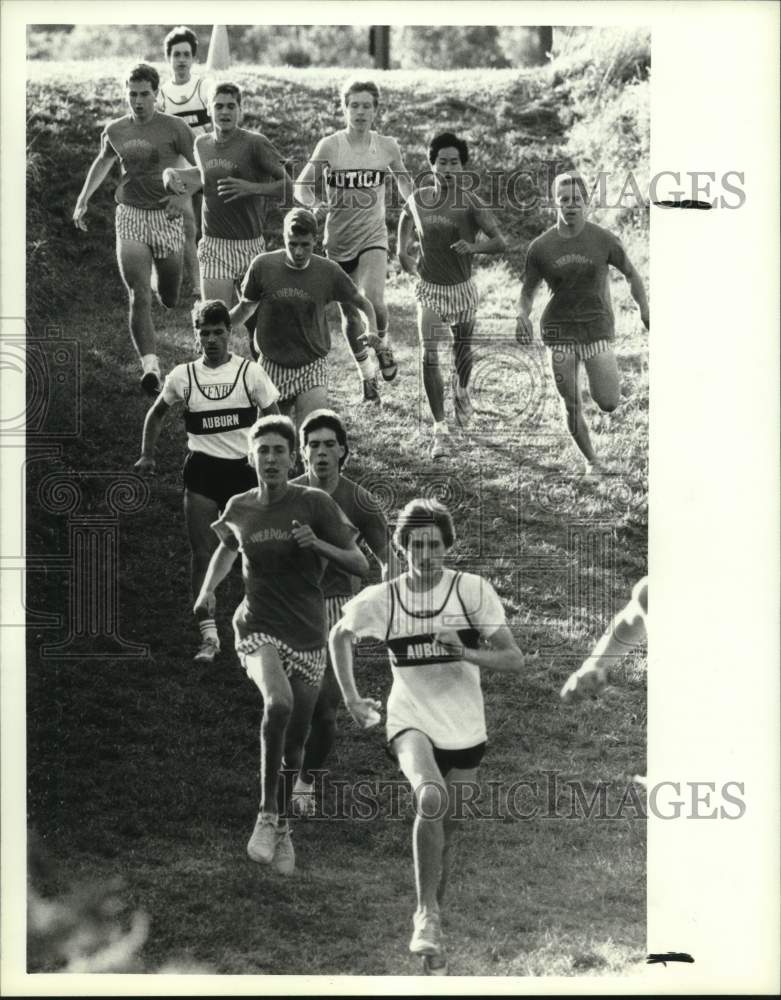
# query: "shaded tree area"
{"type": "Point", "coordinates": [411, 47]}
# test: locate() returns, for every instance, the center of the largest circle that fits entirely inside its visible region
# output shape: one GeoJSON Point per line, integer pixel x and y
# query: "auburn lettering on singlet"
{"type": "Point", "coordinates": [417, 650]}
{"type": "Point", "coordinates": [206, 419]}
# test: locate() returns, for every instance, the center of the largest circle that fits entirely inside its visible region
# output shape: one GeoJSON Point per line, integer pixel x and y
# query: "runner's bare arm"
{"type": "Point", "coordinates": [242, 311]}
{"type": "Point", "coordinates": [309, 187]}
{"type": "Point", "coordinates": [269, 162]}
{"type": "Point", "coordinates": [185, 180]}
{"type": "Point", "coordinates": [399, 170]}
{"type": "Point", "coordinates": [524, 332]}
{"type": "Point", "coordinates": [495, 243]}
{"type": "Point", "coordinates": [637, 289]}
{"type": "Point", "coordinates": [152, 425]}
{"type": "Point", "coordinates": [340, 644]}
{"type": "Point", "coordinates": [406, 236]}
{"type": "Point", "coordinates": [220, 565]}
{"type": "Point", "coordinates": [347, 557]}
{"type": "Point", "coordinates": [502, 654]}
{"type": "Point", "coordinates": [99, 170]}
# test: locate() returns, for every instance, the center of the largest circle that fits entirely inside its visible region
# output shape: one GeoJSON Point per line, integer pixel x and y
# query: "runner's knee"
{"type": "Point", "coordinates": [432, 800]}
{"type": "Point", "coordinates": [277, 707]}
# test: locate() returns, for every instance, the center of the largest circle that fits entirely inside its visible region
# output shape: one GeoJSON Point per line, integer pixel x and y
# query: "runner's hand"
{"type": "Point", "coordinates": [206, 601]}
{"type": "Point", "coordinates": [450, 642]}
{"type": "Point", "coordinates": [173, 182]}
{"type": "Point", "coordinates": [233, 188]}
{"type": "Point", "coordinates": [363, 711]}
{"type": "Point", "coordinates": [462, 248]}
{"type": "Point", "coordinates": [173, 205]}
{"type": "Point", "coordinates": [146, 465]}
{"type": "Point", "coordinates": [589, 680]}
{"type": "Point", "coordinates": [409, 265]}
{"type": "Point", "coordinates": [78, 215]}
{"type": "Point", "coordinates": [303, 535]}
{"type": "Point", "coordinates": [524, 331]}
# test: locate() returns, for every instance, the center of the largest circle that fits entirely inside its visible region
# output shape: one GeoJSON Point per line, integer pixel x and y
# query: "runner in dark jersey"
{"type": "Point", "coordinates": [239, 171]}
{"type": "Point", "coordinates": [345, 179]}
{"type": "Point", "coordinates": [324, 445]}
{"type": "Point", "coordinates": [223, 395]}
{"type": "Point", "coordinates": [285, 534]}
{"type": "Point", "coordinates": [577, 324]}
{"type": "Point", "coordinates": [446, 219]}
{"type": "Point", "coordinates": [150, 233]}
{"type": "Point", "coordinates": [441, 628]}
{"type": "Point", "coordinates": [186, 97]}
{"type": "Point", "coordinates": [290, 289]}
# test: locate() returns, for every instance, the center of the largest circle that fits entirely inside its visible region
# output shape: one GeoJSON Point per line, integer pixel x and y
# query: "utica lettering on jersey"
{"type": "Point", "coordinates": [356, 178]}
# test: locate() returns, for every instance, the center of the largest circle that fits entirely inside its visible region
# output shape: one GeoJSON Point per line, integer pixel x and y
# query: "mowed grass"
{"type": "Point", "coordinates": [147, 769]}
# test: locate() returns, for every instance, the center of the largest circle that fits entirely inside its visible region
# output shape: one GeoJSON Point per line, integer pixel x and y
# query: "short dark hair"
{"type": "Point", "coordinates": [318, 419]}
{"type": "Point", "coordinates": [274, 423]}
{"type": "Point", "coordinates": [180, 34]}
{"type": "Point", "coordinates": [444, 141]}
{"type": "Point", "coordinates": [355, 86]}
{"type": "Point", "coordinates": [419, 514]}
{"type": "Point", "coordinates": [571, 177]}
{"type": "Point", "coordinates": [226, 87]}
{"type": "Point", "coordinates": [211, 311]}
{"type": "Point", "coordinates": [143, 71]}
{"type": "Point", "coordinates": [300, 221]}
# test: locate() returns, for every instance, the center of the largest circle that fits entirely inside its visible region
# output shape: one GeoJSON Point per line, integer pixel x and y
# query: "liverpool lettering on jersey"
{"type": "Point", "coordinates": [355, 178]}
{"type": "Point", "coordinates": [572, 258]}
{"type": "Point", "coordinates": [219, 164]}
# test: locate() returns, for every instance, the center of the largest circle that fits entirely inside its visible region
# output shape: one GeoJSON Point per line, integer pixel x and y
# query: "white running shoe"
{"type": "Point", "coordinates": [440, 447]}
{"type": "Point", "coordinates": [284, 853]}
{"type": "Point", "coordinates": [462, 404]}
{"type": "Point", "coordinates": [208, 650]}
{"type": "Point", "coordinates": [303, 798]}
{"type": "Point", "coordinates": [262, 845]}
{"type": "Point", "coordinates": [427, 934]}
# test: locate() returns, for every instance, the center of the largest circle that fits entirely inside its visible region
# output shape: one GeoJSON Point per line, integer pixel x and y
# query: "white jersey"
{"type": "Point", "coordinates": [355, 183]}
{"type": "Point", "coordinates": [187, 101]}
{"type": "Point", "coordinates": [432, 691]}
{"type": "Point", "coordinates": [220, 404]}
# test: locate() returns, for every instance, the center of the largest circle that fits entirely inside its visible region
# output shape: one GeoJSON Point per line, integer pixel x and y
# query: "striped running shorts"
{"type": "Point", "coordinates": [454, 303]}
{"type": "Point", "coordinates": [309, 664]}
{"type": "Point", "coordinates": [291, 382]}
{"type": "Point", "coordinates": [333, 609]}
{"type": "Point", "coordinates": [151, 226]}
{"type": "Point", "coordinates": [227, 260]}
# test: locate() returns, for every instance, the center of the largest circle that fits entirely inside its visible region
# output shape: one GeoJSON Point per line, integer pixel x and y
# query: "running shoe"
{"type": "Point", "coordinates": [208, 651]}
{"type": "Point", "coordinates": [284, 853]}
{"type": "Point", "coordinates": [303, 798]}
{"type": "Point", "coordinates": [440, 447]}
{"type": "Point", "coordinates": [371, 394]}
{"type": "Point", "coordinates": [434, 965]}
{"type": "Point", "coordinates": [462, 404]}
{"type": "Point", "coordinates": [388, 367]}
{"type": "Point", "coordinates": [427, 934]}
{"type": "Point", "coordinates": [150, 383]}
{"type": "Point", "coordinates": [262, 845]}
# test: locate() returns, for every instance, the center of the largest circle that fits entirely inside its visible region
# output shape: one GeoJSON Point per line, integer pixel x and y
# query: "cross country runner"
{"type": "Point", "coordinates": [348, 170]}
{"type": "Point", "coordinates": [284, 533]}
{"type": "Point", "coordinates": [223, 395]}
{"type": "Point", "coordinates": [446, 218]}
{"type": "Point", "coordinates": [290, 289]}
{"type": "Point", "coordinates": [440, 628]}
{"type": "Point", "coordinates": [324, 445]}
{"type": "Point", "coordinates": [577, 324]}
{"type": "Point", "coordinates": [150, 233]}
{"type": "Point", "coordinates": [233, 168]}
{"type": "Point", "coordinates": [186, 97]}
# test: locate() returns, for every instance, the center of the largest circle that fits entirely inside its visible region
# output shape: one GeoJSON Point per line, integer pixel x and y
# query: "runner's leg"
{"type": "Point", "coordinates": [322, 733]}
{"type": "Point", "coordinates": [304, 698]}
{"type": "Point", "coordinates": [191, 269]}
{"type": "Point", "coordinates": [135, 268]}
{"type": "Point", "coordinates": [169, 278]}
{"type": "Point", "coordinates": [565, 374]}
{"type": "Point", "coordinates": [432, 331]}
{"type": "Point", "coordinates": [604, 380]}
{"type": "Point", "coordinates": [264, 667]}
{"type": "Point", "coordinates": [458, 781]}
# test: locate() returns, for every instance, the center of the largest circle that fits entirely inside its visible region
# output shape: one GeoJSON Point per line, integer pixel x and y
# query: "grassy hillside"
{"type": "Point", "coordinates": [147, 768]}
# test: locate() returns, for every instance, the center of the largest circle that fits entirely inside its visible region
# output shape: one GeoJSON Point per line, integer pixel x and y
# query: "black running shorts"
{"type": "Point", "coordinates": [217, 478]}
{"type": "Point", "coordinates": [446, 760]}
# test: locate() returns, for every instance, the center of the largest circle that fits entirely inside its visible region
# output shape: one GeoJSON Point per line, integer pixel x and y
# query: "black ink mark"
{"type": "Point", "coordinates": [669, 956]}
{"type": "Point", "coordinates": [685, 203]}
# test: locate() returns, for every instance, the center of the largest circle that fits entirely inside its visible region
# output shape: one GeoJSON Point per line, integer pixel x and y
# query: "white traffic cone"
{"type": "Point", "coordinates": [219, 49]}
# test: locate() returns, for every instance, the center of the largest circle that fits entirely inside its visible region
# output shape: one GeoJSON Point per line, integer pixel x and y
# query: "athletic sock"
{"type": "Point", "coordinates": [368, 367]}
{"type": "Point", "coordinates": [302, 787]}
{"type": "Point", "coordinates": [382, 334]}
{"type": "Point", "coordinates": [208, 627]}
{"type": "Point", "coordinates": [149, 363]}
{"type": "Point", "coordinates": [441, 427]}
